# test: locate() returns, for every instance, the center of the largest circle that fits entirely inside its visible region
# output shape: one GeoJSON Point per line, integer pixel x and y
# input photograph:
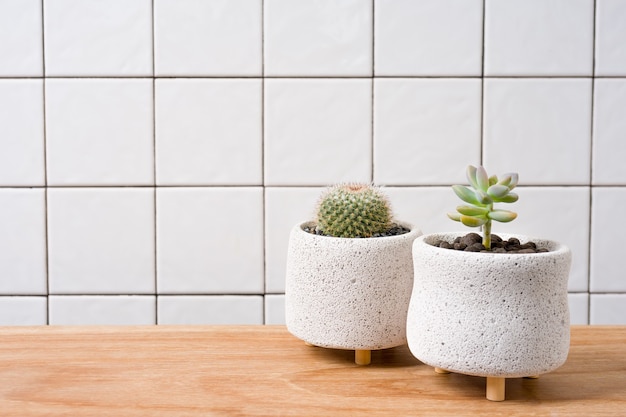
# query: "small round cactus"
{"type": "Point", "coordinates": [353, 210]}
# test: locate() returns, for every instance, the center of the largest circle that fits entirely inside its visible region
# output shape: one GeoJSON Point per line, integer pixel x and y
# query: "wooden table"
{"type": "Point", "coordinates": [264, 371]}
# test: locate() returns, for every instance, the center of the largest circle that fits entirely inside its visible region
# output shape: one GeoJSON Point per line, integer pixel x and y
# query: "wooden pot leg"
{"type": "Point", "coordinates": [309, 344]}
{"type": "Point", "coordinates": [495, 388]}
{"type": "Point", "coordinates": [441, 371]}
{"type": "Point", "coordinates": [532, 377]}
{"type": "Point", "coordinates": [362, 357]}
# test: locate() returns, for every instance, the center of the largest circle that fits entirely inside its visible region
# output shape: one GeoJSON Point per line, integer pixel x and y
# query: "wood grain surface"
{"type": "Point", "coordinates": [264, 371]}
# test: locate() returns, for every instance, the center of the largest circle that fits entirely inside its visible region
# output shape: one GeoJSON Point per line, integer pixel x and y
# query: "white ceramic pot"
{"type": "Point", "coordinates": [492, 315]}
{"type": "Point", "coordinates": [349, 293]}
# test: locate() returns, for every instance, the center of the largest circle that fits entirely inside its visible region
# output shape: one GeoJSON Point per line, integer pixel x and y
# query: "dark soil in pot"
{"type": "Point", "coordinates": [394, 230]}
{"type": "Point", "coordinates": [472, 242]}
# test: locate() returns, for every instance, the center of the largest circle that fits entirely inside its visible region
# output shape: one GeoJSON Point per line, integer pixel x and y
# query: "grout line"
{"type": "Point", "coordinates": [373, 102]}
{"type": "Point", "coordinates": [264, 194]}
{"type": "Point", "coordinates": [45, 162]}
{"type": "Point", "coordinates": [482, 91]}
{"type": "Point", "coordinates": [591, 167]}
{"type": "Point", "coordinates": [225, 76]}
{"type": "Point", "coordinates": [104, 187]}
{"type": "Point", "coordinates": [154, 172]}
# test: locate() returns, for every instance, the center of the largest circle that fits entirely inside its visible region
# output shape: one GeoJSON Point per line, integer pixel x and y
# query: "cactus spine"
{"type": "Point", "coordinates": [353, 210]}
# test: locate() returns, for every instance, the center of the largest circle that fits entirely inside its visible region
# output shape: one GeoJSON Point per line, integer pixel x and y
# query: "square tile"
{"type": "Point", "coordinates": [428, 37]}
{"type": "Point", "coordinates": [608, 309]}
{"type": "Point", "coordinates": [555, 213]}
{"type": "Point", "coordinates": [102, 310]}
{"type": "Point", "coordinates": [609, 125]}
{"type": "Point", "coordinates": [215, 310]}
{"type": "Point", "coordinates": [578, 308]}
{"type": "Point", "coordinates": [284, 209]}
{"type": "Point", "coordinates": [208, 38]}
{"type": "Point", "coordinates": [21, 45]}
{"type": "Point", "coordinates": [210, 240]}
{"type": "Point", "coordinates": [537, 37]}
{"type": "Point", "coordinates": [202, 126]}
{"type": "Point", "coordinates": [275, 309]}
{"type": "Point", "coordinates": [101, 240]}
{"type": "Point", "coordinates": [540, 128]}
{"type": "Point", "coordinates": [23, 311]}
{"type": "Point", "coordinates": [96, 38]}
{"type": "Point", "coordinates": [610, 37]}
{"type": "Point", "coordinates": [607, 228]}
{"type": "Point", "coordinates": [22, 138]}
{"type": "Point", "coordinates": [99, 132]}
{"type": "Point", "coordinates": [425, 129]}
{"type": "Point", "coordinates": [318, 38]}
{"type": "Point", "coordinates": [317, 132]}
{"type": "Point", "coordinates": [23, 241]}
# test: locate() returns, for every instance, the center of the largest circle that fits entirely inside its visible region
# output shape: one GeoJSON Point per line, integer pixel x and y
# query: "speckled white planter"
{"type": "Point", "coordinates": [492, 315]}
{"type": "Point", "coordinates": [349, 293]}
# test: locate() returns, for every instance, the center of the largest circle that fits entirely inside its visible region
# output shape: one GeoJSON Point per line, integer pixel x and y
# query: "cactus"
{"type": "Point", "coordinates": [353, 210]}
{"type": "Point", "coordinates": [486, 191]}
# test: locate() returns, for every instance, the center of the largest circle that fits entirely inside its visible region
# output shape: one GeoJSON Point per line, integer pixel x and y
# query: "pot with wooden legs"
{"type": "Point", "coordinates": [350, 293]}
{"type": "Point", "coordinates": [495, 307]}
{"type": "Point", "coordinates": [492, 315]}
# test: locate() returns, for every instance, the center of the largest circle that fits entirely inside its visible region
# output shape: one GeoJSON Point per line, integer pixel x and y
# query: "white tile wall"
{"type": "Point", "coordinates": [102, 310]}
{"type": "Point", "coordinates": [320, 38]}
{"type": "Point", "coordinates": [23, 243]}
{"type": "Point", "coordinates": [609, 125]}
{"type": "Point", "coordinates": [274, 309]}
{"type": "Point", "coordinates": [317, 131]}
{"type": "Point", "coordinates": [154, 155]}
{"type": "Point", "coordinates": [21, 41]}
{"type": "Point", "coordinates": [610, 55]}
{"type": "Point", "coordinates": [99, 132]}
{"type": "Point", "coordinates": [217, 309]}
{"type": "Point", "coordinates": [210, 240]}
{"type": "Point", "coordinates": [607, 309]}
{"type": "Point", "coordinates": [538, 37]}
{"type": "Point", "coordinates": [208, 38]}
{"type": "Point", "coordinates": [23, 311]}
{"type": "Point", "coordinates": [428, 37]}
{"type": "Point", "coordinates": [98, 38]}
{"type": "Point", "coordinates": [201, 127]}
{"type": "Point", "coordinates": [101, 240]}
{"type": "Point", "coordinates": [608, 265]}
{"type": "Point", "coordinates": [538, 127]}
{"type": "Point", "coordinates": [22, 137]}
{"type": "Point", "coordinates": [415, 116]}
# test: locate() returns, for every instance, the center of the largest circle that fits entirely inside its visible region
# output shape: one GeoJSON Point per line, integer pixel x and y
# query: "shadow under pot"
{"type": "Point", "coordinates": [349, 293]}
{"type": "Point", "coordinates": [494, 315]}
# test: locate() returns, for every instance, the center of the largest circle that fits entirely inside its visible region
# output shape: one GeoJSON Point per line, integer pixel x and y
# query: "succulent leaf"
{"type": "Point", "coordinates": [483, 198]}
{"type": "Point", "coordinates": [471, 176]}
{"type": "Point", "coordinates": [509, 198]}
{"type": "Point", "coordinates": [466, 194]}
{"type": "Point", "coordinates": [514, 180]}
{"type": "Point", "coordinates": [472, 210]}
{"type": "Point", "coordinates": [503, 216]}
{"type": "Point", "coordinates": [493, 180]}
{"type": "Point", "coordinates": [505, 180]}
{"type": "Point", "coordinates": [454, 216]}
{"type": "Point", "coordinates": [498, 191]}
{"type": "Point", "coordinates": [473, 221]}
{"type": "Point", "coordinates": [482, 179]}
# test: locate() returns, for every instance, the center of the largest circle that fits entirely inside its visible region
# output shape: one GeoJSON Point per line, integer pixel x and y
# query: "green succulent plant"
{"type": "Point", "coordinates": [483, 192]}
{"type": "Point", "coordinates": [353, 210]}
